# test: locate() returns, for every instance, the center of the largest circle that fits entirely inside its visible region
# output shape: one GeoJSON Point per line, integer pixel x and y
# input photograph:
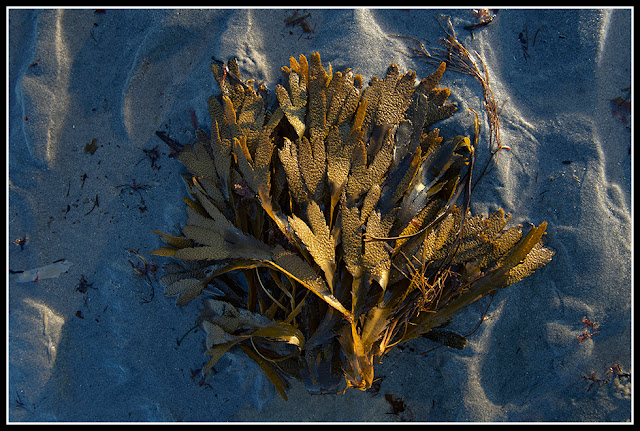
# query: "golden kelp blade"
{"type": "Point", "coordinates": [297, 269]}
{"type": "Point", "coordinates": [226, 326]}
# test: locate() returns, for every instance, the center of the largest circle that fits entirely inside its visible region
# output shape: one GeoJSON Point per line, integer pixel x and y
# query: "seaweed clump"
{"type": "Point", "coordinates": [322, 234]}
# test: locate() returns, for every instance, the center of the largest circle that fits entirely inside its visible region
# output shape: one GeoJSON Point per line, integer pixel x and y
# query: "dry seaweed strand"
{"type": "Point", "coordinates": [325, 233]}
{"type": "Point", "coordinates": [460, 60]}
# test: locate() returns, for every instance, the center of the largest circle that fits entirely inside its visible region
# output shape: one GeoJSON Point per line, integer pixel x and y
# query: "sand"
{"type": "Point", "coordinates": [100, 343]}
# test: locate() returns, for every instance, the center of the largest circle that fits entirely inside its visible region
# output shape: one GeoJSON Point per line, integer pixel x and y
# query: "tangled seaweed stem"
{"type": "Point", "coordinates": [324, 234]}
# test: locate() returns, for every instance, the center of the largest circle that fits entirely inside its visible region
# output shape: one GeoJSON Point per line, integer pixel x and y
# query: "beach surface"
{"type": "Point", "coordinates": [94, 339]}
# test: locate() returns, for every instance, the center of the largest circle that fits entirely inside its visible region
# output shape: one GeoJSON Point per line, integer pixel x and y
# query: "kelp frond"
{"type": "Point", "coordinates": [325, 233]}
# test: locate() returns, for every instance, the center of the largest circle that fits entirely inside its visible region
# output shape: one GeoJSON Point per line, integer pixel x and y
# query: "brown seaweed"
{"type": "Point", "coordinates": [327, 232]}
